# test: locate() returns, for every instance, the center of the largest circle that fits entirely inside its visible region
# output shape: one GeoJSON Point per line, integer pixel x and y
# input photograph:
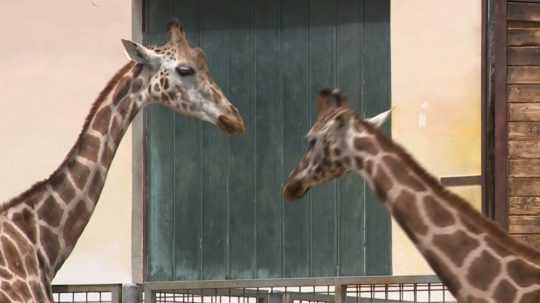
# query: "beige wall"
{"type": "Point", "coordinates": [436, 91]}
{"type": "Point", "coordinates": [55, 57]}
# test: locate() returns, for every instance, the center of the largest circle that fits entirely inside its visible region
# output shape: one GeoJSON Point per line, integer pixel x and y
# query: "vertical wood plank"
{"type": "Point", "coordinates": [295, 125]}
{"type": "Point", "coordinates": [268, 125]}
{"type": "Point", "coordinates": [350, 41]}
{"type": "Point", "coordinates": [216, 147]}
{"type": "Point", "coordinates": [187, 171]}
{"type": "Point", "coordinates": [242, 165]}
{"type": "Point", "coordinates": [322, 58]}
{"type": "Point", "coordinates": [160, 151]}
{"type": "Point", "coordinates": [377, 95]}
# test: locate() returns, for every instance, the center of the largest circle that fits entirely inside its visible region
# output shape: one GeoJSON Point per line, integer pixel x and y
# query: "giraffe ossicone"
{"type": "Point", "coordinates": [40, 227]}
{"type": "Point", "coordinates": [476, 259]}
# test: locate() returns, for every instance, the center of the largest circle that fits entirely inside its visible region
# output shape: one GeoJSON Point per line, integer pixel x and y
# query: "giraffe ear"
{"type": "Point", "coordinates": [379, 120]}
{"type": "Point", "coordinates": [139, 53]}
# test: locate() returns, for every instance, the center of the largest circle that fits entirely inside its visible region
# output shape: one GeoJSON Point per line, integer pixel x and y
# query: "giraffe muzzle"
{"type": "Point", "coordinates": [294, 190]}
{"type": "Point", "coordinates": [231, 125]}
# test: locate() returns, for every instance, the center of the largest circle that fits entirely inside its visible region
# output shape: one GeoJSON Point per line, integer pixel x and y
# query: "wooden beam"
{"type": "Point", "coordinates": [523, 74]}
{"type": "Point", "coordinates": [525, 168]}
{"type": "Point", "coordinates": [524, 55]}
{"type": "Point", "coordinates": [525, 224]}
{"type": "Point", "coordinates": [524, 37]}
{"type": "Point", "coordinates": [497, 147]}
{"type": "Point", "coordinates": [524, 112]}
{"type": "Point", "coordinates": [524, 11]}
{"type": "Point", "coordinates": [525, 206]}
{"type": "Point", "coordinates": [524, 93]}
{"type": "Point", "coordinates": [461, 181]}
{"type": "Point", "coordinates": [524, 130]}
{"type": "Point", "coordinates": [529, 149]}
{"type": "Point", "coordinates": [525, 187]}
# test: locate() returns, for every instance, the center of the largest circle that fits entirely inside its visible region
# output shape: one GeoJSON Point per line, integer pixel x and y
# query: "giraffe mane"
{"type": "Point", "coordinates": [465, 208]}
{"type": "Point", "coordinates": [95, 106]}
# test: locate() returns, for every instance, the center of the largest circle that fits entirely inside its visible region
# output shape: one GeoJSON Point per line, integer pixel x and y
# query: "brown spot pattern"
{"type": "Point", "coordinates": [406, 210]}
{"type": "Point", "coordinates": [472, 299]}
{"type": "Point", "coordinates": [78, 218]}
{"type": "Point", "coordinates": [26, 222]}
{"type": "Point", "coordinates": [483, 271]}
{"type": "Point", "coordinates": [137, 85]}
{"type": "Point", "coordinates": [89, 147]}
{"type": "Point", "coordinates": [401, 173]}
{"type": "Point", "coordinates": [8, 289]}
{"type": "Point", "coordinates": [102, 120]}
{"type": "Point", "coordinates": [469, 224]}
{"type": "Point", "coordinates": [382, 183]}
{"type": "Point", "coordinates": [116, 132]}
{"type": "Point", "coordinates": [5, 274]}
{"type": "Point", "coordinates": [365, 145]}
{"type": "Point", "coordinates": [369, 167]}
{"type": "Point", "coordinates": [456, 246]}
{"type": "Point", "coordinates": [50, 243]}
{"type": "Point", "coordinates": [522, 273]}
{"type": "Point", "coordinates": [63, 187]}
{"type": "Point", "coordinates": [15, 235]}
{"type": "Point", "coordinates": [123, 108]}
{"type": "Point", "coordinates": [96, 186]}
{"type": "Point", "coordinates": [14, 261]}
{"type": "Point", "coordinates": [107, 156]}
{"type": "Point", "coordinates": [532, 297]}
{"type": "Point", "coordinates": [451, 281]}
{"type": "Point", "coordinates": [505, 292]}
{"type": "Point", "coordinates": [22, 289]}
{"type": "Point", "coordinates": [121, 89]}
{"type": "Point", "coordinates": [498, 249]}
{"type": "Point", "coordinates": [79, 173]}
{"type": "Point", "coordinates": [50, 212]}
{"type": "Point", "coordinates": [31, 264]}
{"type": "Point", "coordinates": [437, 213]}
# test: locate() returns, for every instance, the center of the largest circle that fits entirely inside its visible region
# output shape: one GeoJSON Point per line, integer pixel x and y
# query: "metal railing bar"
{"type": "Point", "coordinates": [290, 282]}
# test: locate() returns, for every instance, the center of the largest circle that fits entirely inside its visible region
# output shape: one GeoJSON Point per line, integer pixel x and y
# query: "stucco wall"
{"type": "Point", "coordinates": [55, 57]}
{"type": "Point", "coordinates": [436, 91]}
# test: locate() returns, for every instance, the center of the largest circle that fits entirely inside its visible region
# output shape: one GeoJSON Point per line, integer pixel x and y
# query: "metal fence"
{"type": "Point", "coordinates": [311, 290]}
{"type": "Point", "coordinates": [106, 293]}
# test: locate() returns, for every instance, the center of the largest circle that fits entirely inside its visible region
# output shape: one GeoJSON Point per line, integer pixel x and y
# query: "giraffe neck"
{"type": "Point", "coordinates": [54, 212]}
{"type": "Point", "coordinates": [477, 260]}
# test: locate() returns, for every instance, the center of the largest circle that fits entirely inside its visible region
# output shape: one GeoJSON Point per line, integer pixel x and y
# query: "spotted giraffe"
{"type": "Point", "coordinates": [477, 260]}
{"type": "Point", "coordinates": [40, 227]}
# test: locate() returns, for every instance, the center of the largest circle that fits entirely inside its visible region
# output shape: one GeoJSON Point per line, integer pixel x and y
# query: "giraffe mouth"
{"type": "Point", "coordinates": [294, 190]}
{"type": "Point", "coordinates": [230, 125]}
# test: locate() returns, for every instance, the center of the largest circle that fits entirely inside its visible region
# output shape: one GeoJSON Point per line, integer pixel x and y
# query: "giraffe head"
{"type": "Point", "coordinates": [178, 77]}
{"type": "Point", "coordinates": [329, 154]}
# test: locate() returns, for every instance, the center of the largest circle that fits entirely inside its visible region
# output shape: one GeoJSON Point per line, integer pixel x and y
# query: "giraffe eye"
{"type": "Point", "coordinates": [185, 70]}
{"type": "Point", "coordinates": [312, 143]}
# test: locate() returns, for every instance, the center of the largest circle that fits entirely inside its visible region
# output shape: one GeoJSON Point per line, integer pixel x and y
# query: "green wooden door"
{"type": "Point", "coordinates": [215, 209]}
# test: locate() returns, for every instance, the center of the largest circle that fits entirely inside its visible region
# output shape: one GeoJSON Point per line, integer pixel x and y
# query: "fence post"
{"type": "Point", "coordinates": [148, 295]}
{"type": "Point", "coordinates": [341, 293]}
{"type": "Point", "coordinates": [131, 293]}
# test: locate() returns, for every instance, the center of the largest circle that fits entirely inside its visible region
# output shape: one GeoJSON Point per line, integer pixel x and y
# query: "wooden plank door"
{"type": "Point", "coordinates": [215, 209]}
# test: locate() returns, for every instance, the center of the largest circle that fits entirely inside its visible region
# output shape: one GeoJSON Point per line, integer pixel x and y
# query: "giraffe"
{"type": "Point", "coordinates": [476, 259]}
{"type": "Point", "coordinates": [40, 227]}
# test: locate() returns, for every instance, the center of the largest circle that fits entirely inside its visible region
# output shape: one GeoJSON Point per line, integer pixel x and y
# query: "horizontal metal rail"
{"type": "Point", "coordinates": [290, 282]}
{"type": "Point", "coordinates": [84, 292]}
